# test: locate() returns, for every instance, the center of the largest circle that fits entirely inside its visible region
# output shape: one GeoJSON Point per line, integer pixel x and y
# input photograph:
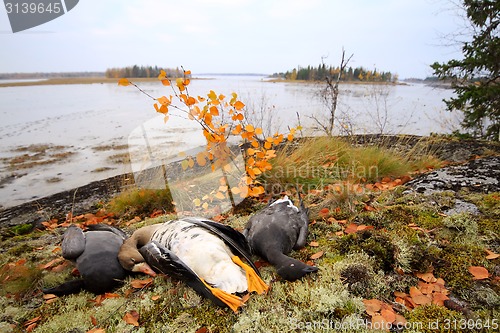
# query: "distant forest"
{"type": "Point", "coordinates": [319, 73]}
{"type": "Point", "coordinates": [142, 71]}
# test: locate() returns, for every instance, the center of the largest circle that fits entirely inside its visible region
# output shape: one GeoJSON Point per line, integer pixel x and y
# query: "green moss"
{"type": "Point", "coordinates": [453, 262]}
{"type": "Point", "coordinates": [21, 229]}
{"type": "Point", "coordinates": [488, 204]}
{"type": "Point", "coordinates": [434, 318]}
{"type": "Point", "coordinates": [372, 242]}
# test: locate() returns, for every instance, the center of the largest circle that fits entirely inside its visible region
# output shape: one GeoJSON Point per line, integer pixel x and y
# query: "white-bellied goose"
{"type": "Point", "coordinates": [203, 253]}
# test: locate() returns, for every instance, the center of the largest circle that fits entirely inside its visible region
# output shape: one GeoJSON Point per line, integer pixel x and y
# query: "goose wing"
{"type": "Point", "coordinates": [166, 262]}
{"type": "Point", "coordinates": [106, 227]}
{"type": "Point", "coordinates": [233, 238]}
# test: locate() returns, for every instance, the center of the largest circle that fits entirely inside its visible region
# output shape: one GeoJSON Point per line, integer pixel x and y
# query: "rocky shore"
{"type": "Point", "coordinates": [475, 165]}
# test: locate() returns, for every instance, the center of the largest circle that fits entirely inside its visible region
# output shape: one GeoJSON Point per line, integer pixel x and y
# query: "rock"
{"type": "Point", "coordinates": [479, 175]}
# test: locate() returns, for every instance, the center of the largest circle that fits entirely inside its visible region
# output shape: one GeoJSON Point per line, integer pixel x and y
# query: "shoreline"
{"type": "Point", "coordinates": [83, 198]}
{"type": "Point", "coordinates": [106, 80]}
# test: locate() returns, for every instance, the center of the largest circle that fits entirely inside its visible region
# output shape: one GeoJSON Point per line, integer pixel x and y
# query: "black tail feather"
{"type": "Point", "coordinates": [67, 288]}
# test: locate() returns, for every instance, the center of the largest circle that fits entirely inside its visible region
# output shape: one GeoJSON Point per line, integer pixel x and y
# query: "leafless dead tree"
{"type": "Point", "coordinates": [329, 96]}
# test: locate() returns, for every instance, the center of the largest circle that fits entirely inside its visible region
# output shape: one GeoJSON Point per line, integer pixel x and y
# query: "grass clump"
{"type": "Point", "coordinates": [141, 201]}
{"type": "Point", "coordinates": [319, 161]}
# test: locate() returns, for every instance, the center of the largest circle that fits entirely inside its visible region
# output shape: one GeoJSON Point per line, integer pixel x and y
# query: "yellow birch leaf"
{"type": "Point", "coordinates": [200, 159]}
{"type": "Point", "coordinates": [212, 95]}
{"type": "Point", "coordinates": [162, 75]}
{"type": "Point", "coordinates": [197, 202]}
{"type": "Point", "coordinates": [249, 128]}
{"type": "Point", "coordinates": [238, 105]}
{"type": "Point", "coordinates": [258, 131]}
{"type": "Point", "coordinates": [123, 82]}
{"type": "Point", "coordinates": [205, 205]}
{"type": "Point", "coordinates": [163, 100]}
{"type": "Point", "coordinates": [165, 82]}
{"type": "Point", "coordinates": [184, 164]}
{"type": "Point", "coordinates": [191, 163]}
{"type": "Point", "coordinates": [219, 195]}
{"type": "Point", "coordinates": [214, 111]}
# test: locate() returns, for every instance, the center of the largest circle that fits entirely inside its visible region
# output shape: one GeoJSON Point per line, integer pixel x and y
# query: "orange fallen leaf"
{"type": "Point", "coordinates": [439, 298]}
{"type": "Point", "coordinates": [202, 330]}
{"type": "Point", "coordinates": [480, 273]}
{"type": "Point", "coordinates": [155, 297]}
{"type": "Point", "coordinates": [400, 300]}
{"type": "Point", "coordinates": [426, 288]}
{"type": "Point", "coordinates": [400, 320]}
{"type": "Point", "coordinates": [61, 267]}
{"type": "Point", "coordinates": [132, 318]}
{"type": "Point", "coordinates": [317, 255]}
{"type": "Point", "coordinates": [427, 277]}
{"type": "Point", "coordinates": [139, 284]}
{"type": "Point", "coordinates": [369, 208]}
{"type": "Point", "coordinates": [31, 324]}
{"type": "Point", "coordinates": [50, 298]}
{"type": "Point", "coordinates": [372, 306]}
{"type": "Point", "coordinates": [51, 263]}
{"type": "Point", "coordinates": [491, 255]}
{"type": "Point", "coordinates": [414, 292]}
{"type": "Point", "coordinates": [351, 228]}
{"type": "Point", "coordinates": [314, 244]}
{"type": "Point", "coordinates": [380, 323]}
{"type": "Point", "coordinates": [422, 299]}
{"type": "Point", "coordinates": [364, 227]}
{"type": "Point", "coordinates": [388, 315]}
{"type": "Point", "coordinates": [324, 212]}
{"type": "Point", "coordinates": [410, 303]}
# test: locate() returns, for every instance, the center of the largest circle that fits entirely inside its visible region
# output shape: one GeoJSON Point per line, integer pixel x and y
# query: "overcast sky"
{"type": "Point", "coordinates": [235, 36]}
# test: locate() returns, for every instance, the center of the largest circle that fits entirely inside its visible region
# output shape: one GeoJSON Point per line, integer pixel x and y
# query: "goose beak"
{"type": "Point", "coordinates": [144, 268]}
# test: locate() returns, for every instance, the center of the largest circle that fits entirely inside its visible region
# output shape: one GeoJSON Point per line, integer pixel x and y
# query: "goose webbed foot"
{"type": "Point", "coordinates": [255, 283]}
{"type": "Point", "coordinates": [232, 301]}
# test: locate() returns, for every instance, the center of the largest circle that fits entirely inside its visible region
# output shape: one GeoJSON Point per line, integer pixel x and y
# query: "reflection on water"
{"type": "Point", "coordinates": [86, 117]}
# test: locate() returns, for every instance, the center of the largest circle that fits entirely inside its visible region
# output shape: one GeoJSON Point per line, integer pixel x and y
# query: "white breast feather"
{"type": "Point", "coordinates": [206, 254]}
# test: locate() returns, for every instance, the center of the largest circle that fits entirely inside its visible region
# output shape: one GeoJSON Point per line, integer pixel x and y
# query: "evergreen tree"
{"type": "Point", "coordinates": [476, 77]}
